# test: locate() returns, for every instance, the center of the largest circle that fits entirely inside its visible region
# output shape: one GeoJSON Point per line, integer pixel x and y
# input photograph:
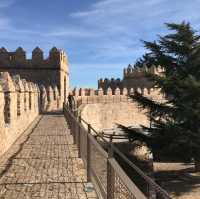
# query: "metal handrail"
{"type": "Point", "coordinates": [138, 170]}
{"type": "Point", "coordinates": [114, 150]}
{"type": "Point", "coordinates": [122, 174]}
{"type": "Point", "coordinates": [142, 174]}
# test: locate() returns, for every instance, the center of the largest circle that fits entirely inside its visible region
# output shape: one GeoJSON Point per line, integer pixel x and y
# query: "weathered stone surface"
{"type": "Point", "coordinates": [107, 115]}
{"type": "Point", "coordinates": [43, 163]}
{"type": "Point", "coordinates": [20, 103]}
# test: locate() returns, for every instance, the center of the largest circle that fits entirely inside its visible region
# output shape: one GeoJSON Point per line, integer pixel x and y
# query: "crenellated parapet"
{"type": "Point", "coordinates": [112, 83]}
{"type": "Point", "coordinates": [21, 101]}
{"type": "Point", "coordinates": [135, 72]}
{"type": "Point", "coordinates": [17, 110]}
{"type": "Point", "coordinates": [133, 77]}
{"type": "Point", "coordinates": [51, 71]}
{"type": "Point", "coordinates": [89, 92]}
{"type": "Point", "coordinates": [56, 58]}
{"type": "Point", "coordinates": [91, 96]}
{"type": "Point", "coordinates": [85, 95]}
{"type": "Point", "coordinates": [22, 96]}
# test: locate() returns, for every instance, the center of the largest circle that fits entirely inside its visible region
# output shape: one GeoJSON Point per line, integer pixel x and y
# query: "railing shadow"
{"type": "Point", "coordinates": [178, 182]}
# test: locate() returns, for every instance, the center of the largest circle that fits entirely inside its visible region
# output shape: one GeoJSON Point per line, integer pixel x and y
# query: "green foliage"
{"type": "Point", "coordinates": [176, 122]}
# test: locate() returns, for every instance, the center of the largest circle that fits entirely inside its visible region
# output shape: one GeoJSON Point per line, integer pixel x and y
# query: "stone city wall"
{"type": "Point", "coordinates": [21, 102]}
{"type": "Point", "coordinates": [107, 115]}
{"type": "Point", "coordinates": [103, 109]}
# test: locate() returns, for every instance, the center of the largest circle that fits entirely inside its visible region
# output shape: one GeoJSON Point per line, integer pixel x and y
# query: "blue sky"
{"type": "Point", "coordinates": [101, 37]}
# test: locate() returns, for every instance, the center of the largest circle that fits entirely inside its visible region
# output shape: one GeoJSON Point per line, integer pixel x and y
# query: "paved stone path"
{"type": "Point", "coordinates": [43, 163]}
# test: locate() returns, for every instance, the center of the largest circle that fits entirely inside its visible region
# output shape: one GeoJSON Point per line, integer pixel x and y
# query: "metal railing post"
{"type": "Point", "coordinates": [110, 175]}
{"type": "Point", "coordinates": [115, 174]}
{"type": "Point", "coordinates": [74, 133]}
{"type": "Point", "coordinates": [151, 191]}
{"type": "Point", "coordinates": [79, 137]}
{"type": "Point", "coordinates": [75, 127]}
{"type": "Point", "coordinates": [88, 154]}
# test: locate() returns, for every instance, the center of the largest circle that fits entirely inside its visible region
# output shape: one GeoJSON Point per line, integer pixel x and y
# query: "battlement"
{"type": "Point", "coordinates": [112, 82]}
{"type": "Point", "coordinates": [53, 70]}
{"type": "Point", "coordinates": [56, 59]}
{"type": "Point", "coordinates": [135, 72]}
{"type": "Point", "coordinates": [134, 77]}
{"type": "Point", "coordinates": [91, 96]}
{"type": "Point", "coordinates": [21, 101]}
{"type": "Point", "coordinates": [89, 92]}
{"type": "Point", "coordinates": [15, 86]}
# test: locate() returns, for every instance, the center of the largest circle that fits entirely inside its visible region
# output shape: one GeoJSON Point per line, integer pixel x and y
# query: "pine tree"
{"type": "Point", "coordinates": [175, 122]}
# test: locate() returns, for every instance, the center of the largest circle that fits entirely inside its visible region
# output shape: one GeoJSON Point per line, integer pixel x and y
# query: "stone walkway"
{"type": "Point", "coordinates": [43, 163]}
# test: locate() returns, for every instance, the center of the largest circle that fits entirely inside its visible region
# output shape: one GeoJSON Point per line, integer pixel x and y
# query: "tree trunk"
{"type": "Point", "coordinates": [197, 164]}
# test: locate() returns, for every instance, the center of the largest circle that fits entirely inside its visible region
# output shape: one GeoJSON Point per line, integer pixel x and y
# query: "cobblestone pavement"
{"type": "Point", "coordinates": [43, 163]}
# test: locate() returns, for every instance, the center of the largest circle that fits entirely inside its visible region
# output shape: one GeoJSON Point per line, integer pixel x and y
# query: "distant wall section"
{"type": "Point", "coordinates": [105, 108]}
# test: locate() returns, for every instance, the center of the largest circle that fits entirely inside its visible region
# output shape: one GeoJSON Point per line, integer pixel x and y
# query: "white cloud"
{"type": "Point", "coordinates": [122, 23]}
{"type": "Point", "coordinates": [134, 15]}
{"type": "Point", "coordinates": [74, 32]}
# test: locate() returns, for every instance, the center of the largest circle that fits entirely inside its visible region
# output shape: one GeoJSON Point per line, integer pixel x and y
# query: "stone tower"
{"type": "Point", "coordinates": [53, 71]}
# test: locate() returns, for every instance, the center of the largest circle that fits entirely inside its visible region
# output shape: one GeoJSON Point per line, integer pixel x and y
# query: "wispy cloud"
{"type": "Point", "coordinates": [75, 32]}
{"type": "Point", "coordinates": [122, 23]}
{"type": "Point", "coordinates": [103, 37]}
